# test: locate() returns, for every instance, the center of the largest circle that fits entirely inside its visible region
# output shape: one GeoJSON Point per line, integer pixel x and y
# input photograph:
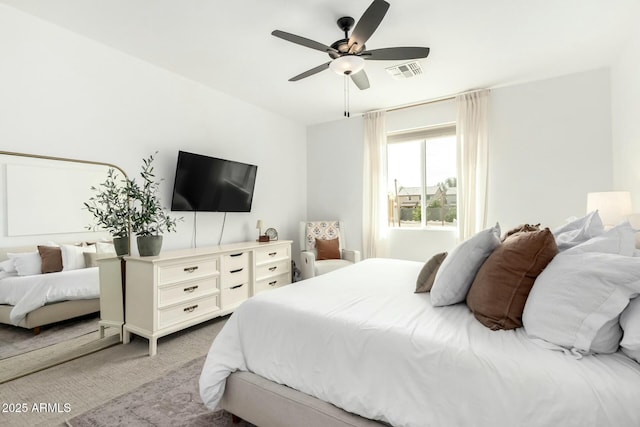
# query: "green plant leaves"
{"type": "Point", "coordinates": [122, 203]}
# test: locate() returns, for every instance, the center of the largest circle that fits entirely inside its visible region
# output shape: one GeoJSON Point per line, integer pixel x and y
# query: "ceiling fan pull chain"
{"type": "Point", "coordinates": [346, 83]}
{"type": "Point", "coordinates": [346, 96]}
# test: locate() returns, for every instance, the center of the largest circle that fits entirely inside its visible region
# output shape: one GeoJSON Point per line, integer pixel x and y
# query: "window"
{"type": "Point", "coordinates": [422, 177]}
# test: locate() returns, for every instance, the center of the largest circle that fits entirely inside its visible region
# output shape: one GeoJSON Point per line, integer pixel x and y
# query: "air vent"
{"type": "Point", "coordinates": [405, 71]}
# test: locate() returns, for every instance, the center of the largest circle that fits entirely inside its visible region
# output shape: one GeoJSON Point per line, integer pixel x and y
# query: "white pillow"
{"type": "Point", "coordinates": [7, 266]}
{"type": "Point", "coordinates": [73, 256]}
{"type": "Point", "coordinates": [105, 248]}
{"type": "Point", "coordinates": [617, 240]}
{"type": "Point", "coordinates": [630, 322]}
{"type": "Point", "coordinates": [26, 263]}
{"type": "Point", "coordinates": [459, 268]}
{"type": "Point", "coordinates": [578, 231]}
{"type": "Point", "coordinates": [575, 302]}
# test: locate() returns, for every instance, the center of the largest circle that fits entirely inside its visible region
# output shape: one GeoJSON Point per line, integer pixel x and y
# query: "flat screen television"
{"type": "Point", "coordinates": [210, 184]}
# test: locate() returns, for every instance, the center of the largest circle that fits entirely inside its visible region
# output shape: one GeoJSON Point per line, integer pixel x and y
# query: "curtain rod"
{"type": "Point", "coordinates": [431, 101]}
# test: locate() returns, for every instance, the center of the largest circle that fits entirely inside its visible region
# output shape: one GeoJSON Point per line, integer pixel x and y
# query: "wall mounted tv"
{"type": "Point", "coordinates": [209, 184]}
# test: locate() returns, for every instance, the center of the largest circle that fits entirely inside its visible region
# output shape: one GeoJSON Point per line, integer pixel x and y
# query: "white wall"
{"type": "Point", "coordinates": [625, 95]}
{"type": "Point", "coordinates": [550, 144]}
{"type": "Point", "coordinates": [335, 175]}
{"type": "Point", "coordinates": [68, 96]}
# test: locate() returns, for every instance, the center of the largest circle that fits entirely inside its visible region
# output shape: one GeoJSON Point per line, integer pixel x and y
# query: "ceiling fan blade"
{"type": "Point", "coordinates": [361, 80]}
{"type": "Point", "coordinates": [302, 41]}
{"type": "Point", "coordinates": [395, 53]}
{"type": "Point", "coordinates": [367, 24]}
{"type": "Point", "coordinates": [310, 72]}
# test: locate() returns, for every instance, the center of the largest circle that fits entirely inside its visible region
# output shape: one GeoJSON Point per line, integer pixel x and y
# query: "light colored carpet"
{"type": "Point", "coordinates": [15, 340]}
{"type": "Point", "coordinates": [90, 381]}
{"type": "Point", "coordinates": [46, 357]}
{"type": "Point", "coordinates": [172, 400]}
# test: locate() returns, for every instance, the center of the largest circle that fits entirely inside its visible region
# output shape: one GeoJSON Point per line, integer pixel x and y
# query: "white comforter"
{"type": "Point", "coordinates": [26, 293]}
{"type": "Point", "coordinates": [361, 339]}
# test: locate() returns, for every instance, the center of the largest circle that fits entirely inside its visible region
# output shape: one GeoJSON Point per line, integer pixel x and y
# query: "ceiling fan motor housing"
{"type": "Point", "coordinates": [341, 48]}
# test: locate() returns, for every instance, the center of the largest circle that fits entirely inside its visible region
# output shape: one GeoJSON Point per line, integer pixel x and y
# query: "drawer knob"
{"type": "Point", "coordinates": [238, 270]}
{"type": "Point", "coordinates": [235, 255]}
{"type": "Point", "coordinates": [190, 269]}
{"type": "Point", "coordinates": [273, 283]}
{"type": "Point", "coordinates": [273, 268]}
{"type": "Point", "coordinates": [190, 309]}
{"type": "Point", "coordinates": [191, 288]}
{"type": "Point", "coordinates": [237, 286]}
{"type": "Point", "coordinates": [273, 253]}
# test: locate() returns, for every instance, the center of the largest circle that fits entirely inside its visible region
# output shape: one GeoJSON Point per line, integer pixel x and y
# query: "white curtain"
{"type": "Point", "coordinates": [374, 211]}
{"type": "Point", "coordinates": [472, 140]}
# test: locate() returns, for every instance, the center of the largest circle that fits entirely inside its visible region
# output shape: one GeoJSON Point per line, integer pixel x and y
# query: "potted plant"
{"type": "Point", "coordinates": [111, 209]}
{"type": "Point", "coordinates": [148, 218]}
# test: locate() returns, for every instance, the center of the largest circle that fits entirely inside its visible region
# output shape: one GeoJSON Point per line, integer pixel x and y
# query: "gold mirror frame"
{"type": "Point", "coordinates": [32, 364]}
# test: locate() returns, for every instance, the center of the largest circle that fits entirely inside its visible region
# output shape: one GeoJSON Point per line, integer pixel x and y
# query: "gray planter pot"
{"type": "Point", "coordinates": [121, 244]}
{"type": "Point", "coordinates": [149, 245]}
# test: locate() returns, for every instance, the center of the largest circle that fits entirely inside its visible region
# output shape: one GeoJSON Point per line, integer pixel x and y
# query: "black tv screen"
{"type": "Point", "coordinates": [209, 184]}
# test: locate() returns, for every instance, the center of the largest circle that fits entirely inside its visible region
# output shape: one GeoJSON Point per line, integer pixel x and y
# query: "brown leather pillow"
{"type": "Point", "coordinates": [328, 249]}
{"type": "Point", "coordinates": [501, 287]}
{"type": "Point", "coordinates": [428, 273]}
{"type": "Point", "coordinates": [51, 258]}
{"type": "Point", "coordinates": [521, 228]}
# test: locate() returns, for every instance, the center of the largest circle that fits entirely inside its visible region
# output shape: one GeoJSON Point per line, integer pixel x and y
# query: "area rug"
{"type": "Point", "coordinates": [173, 400]}
{"type": "Point", "coordinates": [15, 340]}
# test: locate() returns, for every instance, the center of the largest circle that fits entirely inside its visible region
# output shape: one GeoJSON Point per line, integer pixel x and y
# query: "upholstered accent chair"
{"type": "Point", "coordinates": [331, 255]}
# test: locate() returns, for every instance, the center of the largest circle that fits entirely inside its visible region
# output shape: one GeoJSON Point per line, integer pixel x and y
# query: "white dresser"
{"type": "Point", "coordinates": [178, 289]}
{"type": "Point", "coordinates": [272, 267]}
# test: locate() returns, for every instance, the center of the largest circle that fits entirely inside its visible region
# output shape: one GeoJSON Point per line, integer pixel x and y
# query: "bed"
{"type": "Point", "coordinates": [357, 347]}
{"type": "Point", "coordinates": [35, 300]}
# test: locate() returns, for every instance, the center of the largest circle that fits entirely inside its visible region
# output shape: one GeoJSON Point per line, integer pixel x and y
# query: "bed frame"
{"type": "Point", "coordinates": [267, 404]}
{"type": "Point", "coordinates": [52, 313]}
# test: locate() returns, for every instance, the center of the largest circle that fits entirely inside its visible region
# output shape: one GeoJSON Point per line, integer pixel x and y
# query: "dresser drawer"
{"type": "Point", "coordinates": [168, 295]}
{"type": "Point", "coordinates": [273, 269]}
{"type": "Point", "coordinates": [235, 260]}
{"type": "Point", "coordinates": [271, 253]}
{"type": "Point", "coordinates": [235, 294]}
{"type": "Point", "coordinates": [234, 277]}
{"type": "Point", "coordinates": [188, 310]}
{"type": "Point", "coordinates": [187, 270]}
{"type": "Point", "coordinates": [271, 283]}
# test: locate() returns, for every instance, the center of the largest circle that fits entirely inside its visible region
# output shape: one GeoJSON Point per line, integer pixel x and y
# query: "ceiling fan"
{"type": "Point", "coordinates": [348, 54]}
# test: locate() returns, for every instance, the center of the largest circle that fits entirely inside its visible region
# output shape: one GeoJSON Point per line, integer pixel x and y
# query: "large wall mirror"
{"type": "Point", "coordinates": [42, 204]}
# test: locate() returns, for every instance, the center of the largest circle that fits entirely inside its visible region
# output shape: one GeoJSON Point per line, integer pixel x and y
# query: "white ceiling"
{"type": "Point", "coordinates": [228, 46]}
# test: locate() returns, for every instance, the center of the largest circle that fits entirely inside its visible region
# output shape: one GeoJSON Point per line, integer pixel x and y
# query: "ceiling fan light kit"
{"type": "Point", "coordinates": [348, 55]}
{"type": "Point", "coordinates": [347, 64]}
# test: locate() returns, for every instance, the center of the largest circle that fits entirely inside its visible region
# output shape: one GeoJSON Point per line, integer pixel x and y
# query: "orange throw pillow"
{"type": "Point", "coordinates": [328, 249]}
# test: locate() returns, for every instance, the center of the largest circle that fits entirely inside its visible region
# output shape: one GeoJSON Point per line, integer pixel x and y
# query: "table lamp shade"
{"type": "Point", "coordinates": [613, 206]}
